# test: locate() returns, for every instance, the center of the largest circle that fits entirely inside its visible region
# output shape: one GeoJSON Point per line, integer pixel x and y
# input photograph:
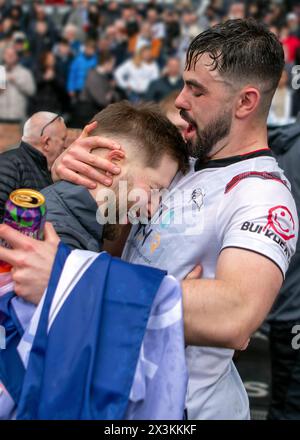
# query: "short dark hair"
{"type": "Point", "coordinates": [241, 49]}
{"type": "Point", "coordinates": [151, 131]}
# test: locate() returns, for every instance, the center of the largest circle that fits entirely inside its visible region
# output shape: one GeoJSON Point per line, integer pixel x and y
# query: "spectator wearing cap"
{"type": "Point", "coordinates": [29, 165]}
{"type": "Point", "coordinates": [20, 86]}
{"type": "Point", "coordinates": [21, 45]}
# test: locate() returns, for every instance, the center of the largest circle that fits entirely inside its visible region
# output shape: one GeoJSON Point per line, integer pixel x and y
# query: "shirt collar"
{"type": "Point", "coordinates": [226, 161]}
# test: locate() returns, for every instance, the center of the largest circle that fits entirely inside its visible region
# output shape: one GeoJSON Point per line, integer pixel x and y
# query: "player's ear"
{"type": "Point", "coordinates": [46, 143]}
{"type": "Point", "coordinates": [247, 103]}
{"type": "Point", "coordinates": [115, 156]}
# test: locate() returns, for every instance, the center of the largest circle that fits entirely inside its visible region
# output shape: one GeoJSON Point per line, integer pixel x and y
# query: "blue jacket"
{"type": "Point", "coordinates": [79, 69]}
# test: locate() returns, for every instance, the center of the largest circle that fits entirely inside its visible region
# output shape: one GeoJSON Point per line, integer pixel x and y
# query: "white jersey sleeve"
{"type": "Point", "coordinates": [258, 213]}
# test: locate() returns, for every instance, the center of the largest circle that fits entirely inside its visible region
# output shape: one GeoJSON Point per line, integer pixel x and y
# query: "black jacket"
{"type": "Point", "coordinates": [285, 143]}
{"type": "Point", "coordinates": [72, 211]}
{"type": "Point", "coordinates": [24, 167]}
{"type": "Point", "coordinates": [162, 87]}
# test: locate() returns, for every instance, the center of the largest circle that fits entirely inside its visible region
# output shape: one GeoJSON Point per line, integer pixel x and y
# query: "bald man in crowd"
{"type": "Point", "coordinates": [29, 165]}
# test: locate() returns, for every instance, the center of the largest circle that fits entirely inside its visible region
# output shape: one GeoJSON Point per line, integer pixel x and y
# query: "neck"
{"type": "Point", "coordinates": [37, 146]}
{"type": "Point", "coordinates": [32, 143]}
{"type": "Point", "coordinates": [241, 142]}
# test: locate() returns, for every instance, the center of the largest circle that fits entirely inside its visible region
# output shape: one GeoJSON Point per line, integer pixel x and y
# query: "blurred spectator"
{"type": "Point", "coordinates": [157, 26]}
{"type": "Point", "coordinates": [51, 95]}
{"type": "Point", "coordinates": [37, 13]}
{"type": "Point", "coordinates": [64, 57]}
{"type": "Point", "coordinates": [40, 38]}
{"type": "Point", "coordinates": [79, 15]}
{"type": "Point", "coordinates": [99, 90]}
{"type": "Point", "coordinates": [19, 87]}
{"type": "Point", "coordinates": [130, 18]}
{"type": "Point", "coordinates": [15, 14]}
{"type": "Point", "coordinates": [291, 43]}
{"type": "Point", "coordinates": [80, 67]}
{"type": "Point", "coordinates": [292, 22]}
{"type": "Point", "coordinates": [135, 75]}
{"type": "Point", "coordinates": [21, 46]}
{"type": "Point", "coordinates": [6, 34]}
{"type": "Point", "coordinates": [237, 10]}
{"type": "Point", "coordinates": [189, 29]}
{"type": "Point", "coordinates": [4, 9]}
{"type": "Point", "coordinates": [296, 85]}
{"type": "Point", "coordinates": [70, 33]}
{"type": "Point", "coordinates": [281, 108]}
{"type": "Point", "coordinates": [172, 30]}
{"type": "Point", "coordinates": [29, 165]}
{"type": "Point", "coordinates": [111, 12]}
{"type": "Point", "coordinates": [170, 81]}
{"type": "Point", "coordinates": [146, 38]}
{"type": "Point", "coordinates": [119, 41]}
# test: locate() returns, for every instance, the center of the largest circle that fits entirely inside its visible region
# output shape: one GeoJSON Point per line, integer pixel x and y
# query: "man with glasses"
{"type": "Point", "coordinates": [29, 165]}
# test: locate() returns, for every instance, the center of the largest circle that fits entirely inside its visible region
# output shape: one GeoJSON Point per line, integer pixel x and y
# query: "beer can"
{"type": "Point", "coordinates": [25, 211]}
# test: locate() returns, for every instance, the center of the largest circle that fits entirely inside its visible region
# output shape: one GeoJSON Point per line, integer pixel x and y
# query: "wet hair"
{"type": "Point", "coordinates": [151, 132]}
{"type": "Point", "coordinates": [241, 50]}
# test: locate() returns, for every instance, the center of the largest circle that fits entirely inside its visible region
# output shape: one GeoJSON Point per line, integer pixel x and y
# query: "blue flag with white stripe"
{"type": "Point", "coordinates": [106, 342]}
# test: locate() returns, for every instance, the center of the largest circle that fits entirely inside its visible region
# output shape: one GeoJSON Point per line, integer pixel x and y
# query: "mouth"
{"type": "Point", "coordinates": [190, 131]}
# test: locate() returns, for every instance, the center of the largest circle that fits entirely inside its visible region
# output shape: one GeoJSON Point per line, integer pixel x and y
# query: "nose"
{"type": "Point", "coordinates": [182, 101]}
{"type": "Point", "coordinates": [179, 102]}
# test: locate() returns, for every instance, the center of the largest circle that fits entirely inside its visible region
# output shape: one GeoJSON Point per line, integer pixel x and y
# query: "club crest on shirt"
{"type": "Point", "coordinates": [281, 221]}
{"type": "Point", "coordinates": [197, 198]}
{"type": "Point", "coordinates": [280, 227]}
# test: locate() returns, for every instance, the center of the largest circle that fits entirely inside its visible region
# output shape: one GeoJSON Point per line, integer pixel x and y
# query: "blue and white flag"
{"type": "Point", "coordinates": [105, 342]}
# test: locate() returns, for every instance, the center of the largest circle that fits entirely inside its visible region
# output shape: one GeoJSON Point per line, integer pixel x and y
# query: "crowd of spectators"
{"type": "Point", "coordinates": [74, 58]}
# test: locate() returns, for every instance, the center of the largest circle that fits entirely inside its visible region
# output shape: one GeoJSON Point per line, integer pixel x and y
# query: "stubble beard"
{"type": "Point", "coordinates": [209, 136]}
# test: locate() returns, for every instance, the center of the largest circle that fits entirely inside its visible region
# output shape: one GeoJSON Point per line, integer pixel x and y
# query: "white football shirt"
{"type": "Point", "coordinates": [242, 202]}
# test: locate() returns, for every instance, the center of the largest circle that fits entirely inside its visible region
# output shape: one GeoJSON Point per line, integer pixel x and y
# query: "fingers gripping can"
{"type": "Point", "coordinates": [25, 211]}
